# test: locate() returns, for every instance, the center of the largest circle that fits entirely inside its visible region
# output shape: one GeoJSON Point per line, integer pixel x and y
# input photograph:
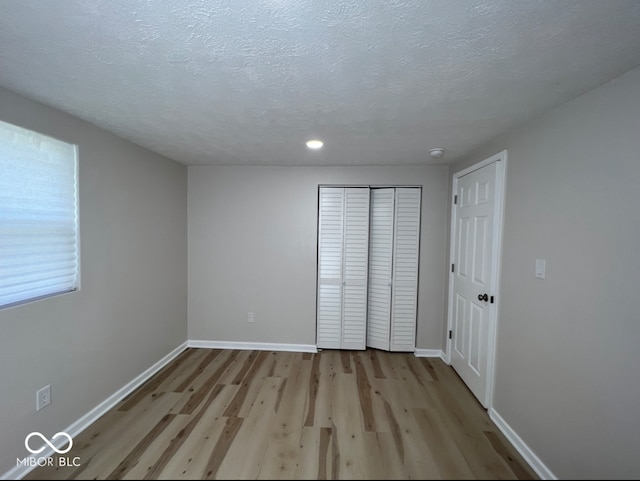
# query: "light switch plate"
{"type": "Point", "coordinates": [540, 268]}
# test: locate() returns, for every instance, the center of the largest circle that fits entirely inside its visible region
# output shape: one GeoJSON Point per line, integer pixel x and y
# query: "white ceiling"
{"type": "Point", "coordinates": [249, 81]}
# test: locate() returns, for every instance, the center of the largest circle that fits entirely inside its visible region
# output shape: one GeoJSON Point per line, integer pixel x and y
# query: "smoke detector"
{"type": "Point", "coordinates": [437, 152]}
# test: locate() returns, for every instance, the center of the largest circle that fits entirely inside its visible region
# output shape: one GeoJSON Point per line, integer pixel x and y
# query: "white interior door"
{"type": "Point", "coordinates": [380, 268]}
{"type": "Point", "coordinates": [393, 268]}
{"type": "Point", "coordinates": [472, 320]}
{"type": "Point", "coordinates": [406, 250]}
{"type": "Point", "coordinates": [343, 243]}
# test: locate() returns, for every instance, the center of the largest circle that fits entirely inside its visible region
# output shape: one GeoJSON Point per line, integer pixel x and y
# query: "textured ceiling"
{"type": "Point", "coordinates": [248, 82]}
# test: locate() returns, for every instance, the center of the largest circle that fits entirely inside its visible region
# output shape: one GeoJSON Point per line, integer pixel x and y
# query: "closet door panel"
{"type": "Point", "coordinates": [405, 269]}
{"type": "Point", "coordinates": [368, 249]}
{"type": "Point", "coordinates": [355, 273]}
{"type": "Point", "coordinates": [330, 257]}
{"type": "Point", "coordinates": [380, 268]}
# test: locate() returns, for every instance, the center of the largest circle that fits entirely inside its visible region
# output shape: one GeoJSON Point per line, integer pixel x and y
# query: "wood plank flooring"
{"type": "Point", "coordinates": [230, 414]}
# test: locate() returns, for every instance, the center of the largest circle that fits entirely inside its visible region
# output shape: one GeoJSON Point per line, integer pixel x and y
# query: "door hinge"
{"type": "Point", "coordinates": [491, 299]}
{"type": "Point", "coordinates": [453, 267]}
{"type": "Point", "coordinates": [450, 334]}
{"type": "Point", "coordinates": [455, 199]}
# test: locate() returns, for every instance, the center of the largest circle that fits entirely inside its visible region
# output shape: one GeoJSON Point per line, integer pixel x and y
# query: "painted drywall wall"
{"type": "Point", "coordinates": [567, 354]}
{"type": "Point", "coordinates": [131, 309]}
{"type": "Point", "coordinates": [253, 247]}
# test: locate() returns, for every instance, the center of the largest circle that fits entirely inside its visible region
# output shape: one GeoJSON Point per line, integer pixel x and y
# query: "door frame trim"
{"type": "Point", "coordinates": [501, 182]}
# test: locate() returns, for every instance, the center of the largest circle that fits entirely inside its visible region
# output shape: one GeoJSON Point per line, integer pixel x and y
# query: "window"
{"type": "Point", "coordinates": [38, 216]}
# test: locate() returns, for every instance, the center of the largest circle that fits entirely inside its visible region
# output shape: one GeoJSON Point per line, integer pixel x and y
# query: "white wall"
{"type": "Point", "coordinates": [568, 357]}
{"type": "Point", "coordinates": [131, 309]}
{"type": "Point", "coordinates": [253, 247]}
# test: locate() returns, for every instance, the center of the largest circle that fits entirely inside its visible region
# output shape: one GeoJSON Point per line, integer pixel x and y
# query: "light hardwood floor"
{"type": "Point", "coordinates": [229, 414]}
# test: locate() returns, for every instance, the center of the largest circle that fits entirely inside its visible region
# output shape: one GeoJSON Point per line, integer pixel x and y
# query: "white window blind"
{"type": "Point", "coordinates": [38, 216]}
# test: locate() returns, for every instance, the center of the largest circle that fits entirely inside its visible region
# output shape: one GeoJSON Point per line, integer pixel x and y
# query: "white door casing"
{"type": "Point", "coordinates": [476, 232]}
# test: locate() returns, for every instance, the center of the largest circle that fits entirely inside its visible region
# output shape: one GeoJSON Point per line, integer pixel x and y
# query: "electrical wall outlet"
{"type": "Point", "coordinates": [250, 317]}
{"type": "Point", "coordinates": [43, 397]}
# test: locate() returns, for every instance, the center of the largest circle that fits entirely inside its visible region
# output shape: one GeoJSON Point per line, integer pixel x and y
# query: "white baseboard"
{"type": "Point", "coordinates": [254, 346]}
{"type": "Point", "coordinates": [530, 457]}
{"type": "Point", "coordinates": [430, 353]}
{"type": "Point", "coordinates": [85, 421]}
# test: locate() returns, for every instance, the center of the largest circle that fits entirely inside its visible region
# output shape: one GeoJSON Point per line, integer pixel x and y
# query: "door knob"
{"type": "Point", "coordinates": [483, 297]}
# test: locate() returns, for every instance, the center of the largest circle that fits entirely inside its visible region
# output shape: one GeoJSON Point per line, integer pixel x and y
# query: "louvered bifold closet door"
{"type": "Point", "coordinates": [380, 268]}
{"type": "Point", "coordinates": [355, 272]}
{"type": "Point", "coordinates": [405, 269]}
{"type": "Point", "coordinates": [330, 246]}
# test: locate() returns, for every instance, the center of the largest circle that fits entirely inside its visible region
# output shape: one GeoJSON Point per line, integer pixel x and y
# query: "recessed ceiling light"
{"type": "Point", "coordinates": [315, 144]}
